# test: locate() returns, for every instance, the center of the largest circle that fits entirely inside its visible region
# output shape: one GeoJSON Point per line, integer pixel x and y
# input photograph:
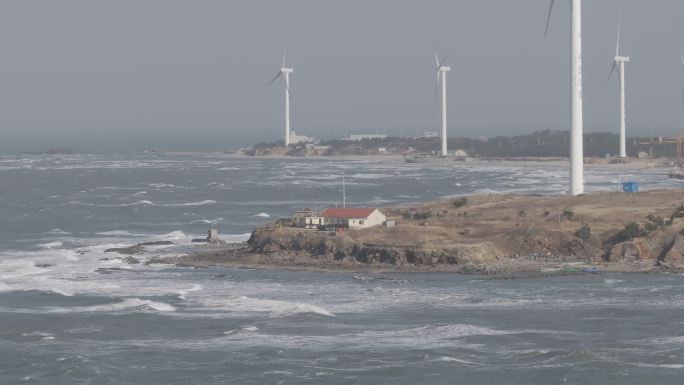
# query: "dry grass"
{"type": "Point", "coordinates": [496, 217]}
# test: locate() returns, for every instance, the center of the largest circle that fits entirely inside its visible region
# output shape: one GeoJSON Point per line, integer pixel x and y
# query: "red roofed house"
{"type": "Point", "coordinates": [356, 218]}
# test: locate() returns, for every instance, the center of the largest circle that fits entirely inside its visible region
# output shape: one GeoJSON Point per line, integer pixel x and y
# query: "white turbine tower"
{"type": "Point", "coordinates": [619, 65]}
{"type": "Point", "coordinates": [285, 72]}
{"type": "Point", "coordinates": [441, 77]}
{"type": "Point", "coordinates": [576, 120]}
{"type": "Point", "coordinates": [681, 56]}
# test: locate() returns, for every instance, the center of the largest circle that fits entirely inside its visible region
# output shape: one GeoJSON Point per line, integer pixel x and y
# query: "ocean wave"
{"type": "Point", "coordinates": [145, 202]}
{"type": "Point", "coordinates": [207, 221]}
{"type": "Point", "coordinates": [261, 215]}
{"type": "Point", "coordinates": [182, 294]}
{"type": "Point", "coordinates": [274, 308]}
{"type": "Point", "coordinates": [58, 231]}
{"type": "Point", "coordinates": [119, 233]}
{"type": "Point", "coordinates": [133, 304]}
{"type": "Point", "coordinates": [242, 329]}
{"type": "Point", "coordinates": [51, 245]}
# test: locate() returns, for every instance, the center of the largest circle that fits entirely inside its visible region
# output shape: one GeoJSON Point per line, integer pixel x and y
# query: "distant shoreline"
{"type": "Point", "coordinates": [631, 164]}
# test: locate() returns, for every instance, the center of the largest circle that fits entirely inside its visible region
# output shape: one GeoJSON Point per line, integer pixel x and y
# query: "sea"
{"type": "Point", "coordinates": [70, 313]}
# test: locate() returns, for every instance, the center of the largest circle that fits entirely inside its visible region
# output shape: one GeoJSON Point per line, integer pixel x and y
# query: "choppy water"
{"type": "Point", "coordinates": [71, 314]}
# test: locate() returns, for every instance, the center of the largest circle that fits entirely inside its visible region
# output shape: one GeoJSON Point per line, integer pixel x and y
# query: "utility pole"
{"type": "Point", "coordinates": [344, 192]}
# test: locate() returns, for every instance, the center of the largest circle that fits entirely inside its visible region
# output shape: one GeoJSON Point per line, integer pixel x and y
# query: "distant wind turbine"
{"type": "Point", "coordinates": [285, 72]}
{"type": "Point", "coordinates": [576, 119]}
{"type": "Point", "coordinates": [441, 77]}
{"type": "Point", "coordinates": [619, 65]}
{"type": "Point", "coordinates": [681, 56]}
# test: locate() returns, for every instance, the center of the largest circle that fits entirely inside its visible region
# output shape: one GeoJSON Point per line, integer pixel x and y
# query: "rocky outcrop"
{"type": "Point", "coordinates": [662, 249]}
{"type": "Point", "coordinates": [341, 248]}
{"type": "Point", "coordinates": [137, 249]}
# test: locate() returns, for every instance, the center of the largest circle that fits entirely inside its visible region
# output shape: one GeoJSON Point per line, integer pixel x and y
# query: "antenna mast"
{"type": "Point", "coordinates": [344, 192]}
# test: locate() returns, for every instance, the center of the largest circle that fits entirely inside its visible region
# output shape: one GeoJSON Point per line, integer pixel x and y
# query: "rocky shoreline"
{"type": "Point", "coordinates": [493, 235]}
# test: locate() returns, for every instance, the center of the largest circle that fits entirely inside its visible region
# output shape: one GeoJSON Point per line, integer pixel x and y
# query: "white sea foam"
{"type": "Point", "coordinates": [182, 294]}
{"type": "Point", "coordinates": [242, 329]}
{"type": "Point", "coordinates": [274, 308]}
{"type": "Point", "coordinates": [145, 202]}
{"type": "Point", "coordinates": [452, 359]}
{"type": "Point", "coordinates": [208, 221]}
{"type": "Point", "coordinates": [133, 304]}
{"type": "Point", "coordinates": [119, 233]}
{"type": "Point", "coordinates": [51, 245]}
{"type": "Point", "coordinates": [58, 231]}
{"type": "Point", "coordinates": [262, 215]}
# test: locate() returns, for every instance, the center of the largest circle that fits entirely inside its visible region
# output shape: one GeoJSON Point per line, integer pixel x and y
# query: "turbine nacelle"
{"type": "Point", "coordinates": [621, 59]}
{"type": "Point", "coordinates": [286, 70]}
{"type": "Point", "coordinates": [443, 69]}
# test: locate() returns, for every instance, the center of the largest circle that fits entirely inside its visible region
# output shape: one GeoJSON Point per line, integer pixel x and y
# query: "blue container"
{"type": "Point", "coordinates": [630, 187]}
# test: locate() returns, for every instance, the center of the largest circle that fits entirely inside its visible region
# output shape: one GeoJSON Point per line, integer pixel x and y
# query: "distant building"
{"type": "Point", "coordinates": [461, 153]}
{"type": "Point", "coordinates": [352, 218]}
{"type": "Point", "coordinates": [301, 215]}
{"type": "Point", "coordinates": [431, 134]}
{"type": "Point", "coordinates": [360, 137]}
{"type": "Point", "coordinates": [296, 139]}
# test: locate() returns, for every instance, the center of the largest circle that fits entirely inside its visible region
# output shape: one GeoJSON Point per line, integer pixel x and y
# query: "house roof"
{"type": "Point", "coordinates": [347, 213]}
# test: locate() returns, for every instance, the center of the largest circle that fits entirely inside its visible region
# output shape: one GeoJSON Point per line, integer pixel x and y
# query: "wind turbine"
{"type": "Point", "coordinates": [285, 72]}
{"type": "Point", "coordinates": [619, 65]}
{"type": "Point", "coordinates": [441, 77]}
{"type": "Point", "coordinates": [576, 119]}
{"type": "Point", "coordinates": [682, 58]}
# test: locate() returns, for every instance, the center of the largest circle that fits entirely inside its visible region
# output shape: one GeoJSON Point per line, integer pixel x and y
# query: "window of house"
{"type": "Point", "coordinates": [360, 222]}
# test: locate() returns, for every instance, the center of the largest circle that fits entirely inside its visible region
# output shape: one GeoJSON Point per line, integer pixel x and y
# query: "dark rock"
{"type": "Point", "coordinates": [156, 243]}
{"type": "Point", "coordinates": [132, 250]}
{"type": "Point", "coordinates": [131, 260]}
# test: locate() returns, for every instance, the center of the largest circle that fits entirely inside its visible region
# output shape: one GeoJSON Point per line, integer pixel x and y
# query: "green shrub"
{"type": "Point", "coordinates": [568, 214]}
{"type": "Point", "coordinates": [654, 223]}
{"type": "Point", "coordinates": [678, 212]}
{"type": "Point", "coordinates": [458, 203]}
{"type": "Point", "coordinates": [583, 232]}
{"type": "Point", "coordinates": [632, 230]}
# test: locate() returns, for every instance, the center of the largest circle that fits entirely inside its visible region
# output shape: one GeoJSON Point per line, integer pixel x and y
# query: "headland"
{"type": "Point", "coordinates": [503, 235]}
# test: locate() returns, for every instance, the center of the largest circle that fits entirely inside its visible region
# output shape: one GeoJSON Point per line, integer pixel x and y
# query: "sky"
{"type": "Point", "coordinates": [127, 75]}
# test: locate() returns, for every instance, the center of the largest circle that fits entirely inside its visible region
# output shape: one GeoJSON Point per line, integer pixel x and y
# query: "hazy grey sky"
{"type": "Point", "coordinates": [171, 74]}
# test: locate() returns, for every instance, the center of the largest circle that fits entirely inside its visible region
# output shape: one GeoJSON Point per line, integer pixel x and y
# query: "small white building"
{"type": "Point", "coordinates": [296, 139]}
{"type": "Point", "coordinates": [300, 216]}
{"type": "Point", "coordinates": [352, 218]}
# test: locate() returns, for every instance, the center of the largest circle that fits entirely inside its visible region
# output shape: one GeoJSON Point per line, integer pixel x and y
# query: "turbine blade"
{"type": "Point", "coordinates": [284, 58]}
{"type": "Point", "coordinates": [612, 69]}
{"type": "Point", "coordinates": [548, 19]}
{"type": "Point", "coordinates": [617, 48]}
{"type": "Point", "coordinates": [437, 59]}
{"type": "Point", "coordinates": [444, 59]}
{"type": "Point", "coordinates": [279, 74]}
